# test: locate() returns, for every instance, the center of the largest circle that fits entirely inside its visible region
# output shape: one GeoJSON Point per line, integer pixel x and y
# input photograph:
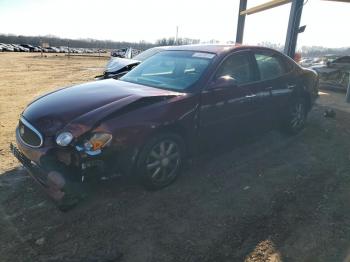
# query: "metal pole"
{"type": "Point", "coordinates": [41, 47]}
{"type": "Point", "coordinates": [68, 50]}
{"type": "Point", "coordinates": [177, 34]}
{"type": "Point", "coordinates": [241, 21]}
{"type": "Point", "coordinates": [348, 91]}
{"type": "Point", "coordinates": [293, 27]}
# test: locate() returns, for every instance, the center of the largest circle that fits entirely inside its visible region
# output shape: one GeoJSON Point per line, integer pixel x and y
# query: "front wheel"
{"type": "Point", "coordinates": [296, 117]}
{"type": "Point", "coordinates": [160, 161]}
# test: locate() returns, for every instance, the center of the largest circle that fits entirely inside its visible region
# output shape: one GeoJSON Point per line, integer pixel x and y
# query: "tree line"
{"type": "Point", "coordinates": [91, 43]}
{"type": "Point", "coordinates": [180, 41]}
{"type": "Point", "coordinates": [77, 43]}
{"type": "Point", "coordinates": [306, 51]}
{"type": "Point", "coordinates": [311, 51]}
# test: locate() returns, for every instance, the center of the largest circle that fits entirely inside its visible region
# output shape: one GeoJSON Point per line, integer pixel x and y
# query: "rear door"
{"type": "Point", "coordinates": [277, 78]}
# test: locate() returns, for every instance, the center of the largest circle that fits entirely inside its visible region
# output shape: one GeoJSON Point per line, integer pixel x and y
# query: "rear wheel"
{"type": "Point", "coordinates": [160, 161]}
{"type": "Point", "coordinates": [296, 117]}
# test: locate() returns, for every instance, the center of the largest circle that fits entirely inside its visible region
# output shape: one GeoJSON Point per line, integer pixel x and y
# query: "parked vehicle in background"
{"type": "Point", "coordinates": [7, 47]}
{"type": "Point", "coordinates": [340, 63]}
{"type": "Point", "coordinates": [117, 67]}
{"type": "Point", "coordinates": [119, 52]}
{"type": "Point", "coordinates": [306, 62]}
{"type": "Point", "coordinates": [52, 49]}
{"type": "Point", "coordinates": [15, 47]}
{"type": "Point", "coordinates": [335, 73]}
{"type": "Point", "coordinates": [44, 50]}
{"type": "Point", "coordinates": [150, 121]}
{"type": "Point", "coordinates": [125, 52]}
{"type": "Point", "coordinates": [19, 48]}
{"type": "Point", "coordinates": [30, 47]}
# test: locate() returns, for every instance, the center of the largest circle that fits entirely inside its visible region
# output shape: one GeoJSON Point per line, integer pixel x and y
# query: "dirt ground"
{"type": "Point", "coordinates": [267, 198]}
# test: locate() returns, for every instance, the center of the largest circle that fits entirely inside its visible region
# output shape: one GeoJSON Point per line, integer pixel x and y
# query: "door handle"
{"type": "Point", "coordinates": [250, 96]}
{"type": "Point", "coordinates": [291, 86]}
{"type": "Point", "coordinates": [246, 99]}
{"type": "Point", "coordinates": [269, 88]}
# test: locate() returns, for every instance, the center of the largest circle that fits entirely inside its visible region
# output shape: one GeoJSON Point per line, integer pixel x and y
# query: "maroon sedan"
{"type": "Point", "coordinates": [149, 122]}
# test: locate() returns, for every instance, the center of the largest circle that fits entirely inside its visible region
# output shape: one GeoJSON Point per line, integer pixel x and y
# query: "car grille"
{"type": "Point", "coordinates": [28, 134]}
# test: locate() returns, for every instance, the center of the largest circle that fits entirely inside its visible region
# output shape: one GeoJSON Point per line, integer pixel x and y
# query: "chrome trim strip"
{"type": "Point", "coordinates": [29, 125]}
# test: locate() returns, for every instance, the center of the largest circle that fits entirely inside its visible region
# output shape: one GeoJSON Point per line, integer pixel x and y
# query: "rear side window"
{"type": "Point", "coordinates": [270, 66]}
{"type": "Point", "coordinates": [239, 67]}
{"type": "Point", "coordinates": [345, 59]}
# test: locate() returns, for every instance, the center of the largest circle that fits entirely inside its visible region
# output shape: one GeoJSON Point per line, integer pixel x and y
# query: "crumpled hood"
{"type": "Point", "coordinates": [116, 63]}
{"type": "Point", "coordinates": [79, 107]}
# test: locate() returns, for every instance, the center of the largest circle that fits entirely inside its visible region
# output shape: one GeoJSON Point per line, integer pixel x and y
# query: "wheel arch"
{"type": "Point", "coordinates": [176, 129]}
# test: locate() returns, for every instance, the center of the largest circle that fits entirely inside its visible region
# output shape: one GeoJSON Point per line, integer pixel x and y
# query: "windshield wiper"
{"type": "Point", "coordinates": [151, 81]}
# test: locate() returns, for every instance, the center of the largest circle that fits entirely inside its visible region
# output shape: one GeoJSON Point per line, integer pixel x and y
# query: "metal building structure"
{"type": "Point", "coordinates": [293, 25]}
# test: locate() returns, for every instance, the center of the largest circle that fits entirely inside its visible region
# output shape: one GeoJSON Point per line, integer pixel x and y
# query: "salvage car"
{"type": "Point", "coordinates": [151, 120]}
{"type": "Point", "coordinates": [117, 67]}
{"type": "Point", "coordinates": [125, 52]}
{"type": "Point", "coordinates": [335, 74]}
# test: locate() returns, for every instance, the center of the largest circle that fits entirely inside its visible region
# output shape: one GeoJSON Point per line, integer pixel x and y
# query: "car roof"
{"type": "Point", "coordinates": [214, 48]}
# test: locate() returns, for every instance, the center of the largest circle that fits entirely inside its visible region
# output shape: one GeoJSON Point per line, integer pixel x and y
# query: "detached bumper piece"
{"type": "Point", "coordinates": [65, 193]}
{"type": "Point", "coordinates": [32, 168]}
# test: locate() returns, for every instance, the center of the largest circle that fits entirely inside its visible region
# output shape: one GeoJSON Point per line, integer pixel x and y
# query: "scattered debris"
{"type": "Point", "coordinates": [335, 74]}
{"type": "Point", "coordinates": [40, 241]}
{"type": "Point", "coordinates": [329, 113]}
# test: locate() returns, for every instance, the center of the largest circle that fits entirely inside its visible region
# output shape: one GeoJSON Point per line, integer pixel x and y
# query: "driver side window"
{"type": "Point", "coordinates": [237, 66]}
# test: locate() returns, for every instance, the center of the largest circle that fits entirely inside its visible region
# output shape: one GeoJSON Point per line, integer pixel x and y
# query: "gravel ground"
{"type": "Point", "coordinates": [271, 198]}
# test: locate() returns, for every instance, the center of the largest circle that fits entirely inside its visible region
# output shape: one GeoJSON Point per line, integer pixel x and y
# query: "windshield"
{"type": "Point", "coordinates": [148, 53]}
{"type": "Point", "coordinates": [175, 70]}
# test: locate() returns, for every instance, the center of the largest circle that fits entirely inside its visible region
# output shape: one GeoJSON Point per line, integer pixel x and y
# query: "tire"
{"type": "Point", "coordinates": [161, 160]}
{"type": "Point", "coordinates": [296, 117]}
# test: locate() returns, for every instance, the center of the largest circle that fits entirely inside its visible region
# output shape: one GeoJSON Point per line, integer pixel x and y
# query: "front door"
{"type": "Point", "coordinates": [230, 109]}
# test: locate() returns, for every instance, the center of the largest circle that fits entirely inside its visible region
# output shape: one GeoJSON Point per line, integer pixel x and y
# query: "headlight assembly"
{"type": "Point", "coordinates": [97, 141]}
{"type": "Point", "coordinates": [64, 139]}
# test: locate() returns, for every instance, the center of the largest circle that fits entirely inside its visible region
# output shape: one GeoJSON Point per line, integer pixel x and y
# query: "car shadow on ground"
{"type": "Point", "coordinates": [274, 197]}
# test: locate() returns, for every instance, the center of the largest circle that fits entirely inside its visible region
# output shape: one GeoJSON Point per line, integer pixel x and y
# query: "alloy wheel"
{"type": "Point", "coordinates": [163, 161]}
{"type": "Point", "coordinates": [298, 115]}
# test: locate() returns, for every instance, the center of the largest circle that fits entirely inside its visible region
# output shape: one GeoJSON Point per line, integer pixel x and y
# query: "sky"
{"type": "Point", "coordinates": [134, 20]}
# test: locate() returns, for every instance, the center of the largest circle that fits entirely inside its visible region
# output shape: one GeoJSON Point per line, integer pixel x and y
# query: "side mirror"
{"type": "Point", "coordinates": [223, 82]}
{"type": "Point", "coordinates": [328, 63]}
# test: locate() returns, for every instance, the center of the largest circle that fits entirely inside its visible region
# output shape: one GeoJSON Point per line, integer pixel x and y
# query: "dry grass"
{"type": "Point", "coordinates": [24, 76]}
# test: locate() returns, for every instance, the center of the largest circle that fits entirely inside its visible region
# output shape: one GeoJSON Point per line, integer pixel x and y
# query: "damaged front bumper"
{"type": "Point", "coordinates": [56, 183]}
{"type": "Point", "coordinates": [52, 182]}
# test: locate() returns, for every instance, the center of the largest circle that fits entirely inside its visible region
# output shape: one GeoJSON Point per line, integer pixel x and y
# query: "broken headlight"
{"type": "Point", "coordinates": [95, 143]}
